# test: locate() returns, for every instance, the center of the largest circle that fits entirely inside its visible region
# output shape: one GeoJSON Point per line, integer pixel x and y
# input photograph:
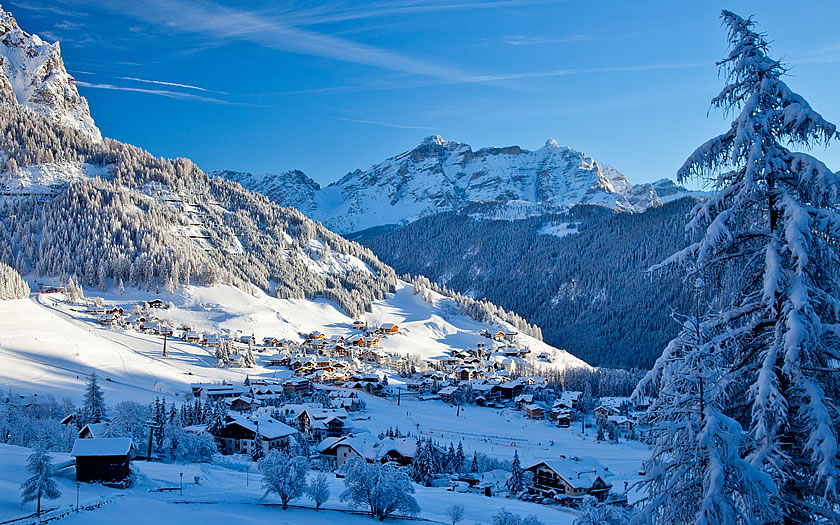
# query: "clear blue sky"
{"type": "Point", "coordinates": [328, 87]}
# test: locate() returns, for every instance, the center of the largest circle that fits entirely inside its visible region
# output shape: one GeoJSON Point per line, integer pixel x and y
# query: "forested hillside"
{"type": "Point", "coordinates": [159, 223]}
{"type": "Point", "coordinates": [588, 291]}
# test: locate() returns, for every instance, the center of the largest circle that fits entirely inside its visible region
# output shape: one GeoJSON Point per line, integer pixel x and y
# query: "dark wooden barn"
{"type": "Point", "coordinates": [103, 459]}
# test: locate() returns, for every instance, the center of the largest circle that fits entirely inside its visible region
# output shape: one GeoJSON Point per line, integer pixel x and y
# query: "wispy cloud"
{"type": "Point", "coordinates": [330, 13]}
{"type": "Point", "coordinates": [162, 93]}
{"type": "Point", "coordinates": [172, 84]}
{"type": "Point", "coordinates": [223, 24]}
{"type": "Point", "coordinates": [40, 7]}
{"type": "Point", "coordinates": [385, 124]}
{"type": "Point", "coordinates": [824, 55]}
{"type": "Point", "coordinates": [520, 40]}
{"type": "Point", "coordinates": [485, 79]}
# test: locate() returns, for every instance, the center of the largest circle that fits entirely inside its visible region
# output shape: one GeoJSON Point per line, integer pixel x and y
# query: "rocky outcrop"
{"type": "Point", "coordinates": [32, 74]}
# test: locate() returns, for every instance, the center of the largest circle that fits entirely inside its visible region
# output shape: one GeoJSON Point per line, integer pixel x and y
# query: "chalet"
{"type": "Point", "coordinates": [545, 356]}
{"type": "Point", "coordinates": [103, 459]}
{"type": "Point", "coordinates": [466, 374]}
{"type": "Point", "coordinates": [606, 411]}
{"type": "Point", "coordinates": [297, 385]}
{"type": "Point", "coordinates": [511, 389]}
{"type": "Point", "coordinates": [239, 433]}
{"type": "Point", "coordinates": [373, 356]}
{"type": "Point", "coordinates": [498, 336]}
{"type": "Point", "coordinates": [534, 412]}
{"type": "Point", "coordinates": [336, 451]}
{"type": "Point", "coordinates": [192, 337]}
{"type": "Point", "coordinates": [277, 360]}
{"type": "Point", "coordinates": [621, 422]}
{"type": "Point", "coordinates": [109, 319]}
{"type": "Point", "coordinates": [315, 335]}
{"type": "Point", "coordinates": [510, 337]}
{"type": "Point", "coordinates": [359, 325]}
{"type": "Point", "coordinates": [241, 403]}
{"type": "Point", "coordinates": [93, 431]}
{"type": "Point", "coordinates": [156, 303]}
{"type": "Point", "coordinates": [523, 399]}
{"type": "Point", "coordinates": [446, 393]}
{"type": "Point", "coordinates": [322, 423]}
{"type": "Point", "coordinates": [165, 330]}
{"type": "Point", "coordinates": [249, 340]}
{"type": "Point", "coordinates": [215, 392]}
{"type": "Point", "coordinates": [270, 341]}
{"type": "Point", "coordinates": [568, 480]}
{"type": "Point", "coordinates": [389, 329]}
{"type": "Point", "coordinates": [568, 399]}
{"type": "Point", "coordinates": [564, 419]}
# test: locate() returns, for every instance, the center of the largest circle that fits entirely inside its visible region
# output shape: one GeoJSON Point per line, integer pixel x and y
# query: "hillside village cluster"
{"type": "Point", "coordinates": [317, 406]}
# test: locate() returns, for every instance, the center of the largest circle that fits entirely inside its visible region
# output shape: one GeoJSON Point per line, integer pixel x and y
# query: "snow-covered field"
{"type": "Point", "coordinates": [225, 493]}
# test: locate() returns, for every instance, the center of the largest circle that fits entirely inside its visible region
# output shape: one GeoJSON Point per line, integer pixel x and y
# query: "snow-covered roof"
{"type": "Point", "coordinates": [94, 429]}
{"type": "Point", "coordinates": [101, 447]}
{"type": "Point", "coordinates": [578, 472]}
{"type": "Point", "coordinates": [269, 427]}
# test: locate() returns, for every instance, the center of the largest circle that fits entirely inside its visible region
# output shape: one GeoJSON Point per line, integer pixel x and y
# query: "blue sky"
{"type": "Point", "coordinates": [328, 87]}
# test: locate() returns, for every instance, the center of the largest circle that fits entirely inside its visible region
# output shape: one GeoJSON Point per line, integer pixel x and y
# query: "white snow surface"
{"type": "Point", "coordinates": [440, 175]}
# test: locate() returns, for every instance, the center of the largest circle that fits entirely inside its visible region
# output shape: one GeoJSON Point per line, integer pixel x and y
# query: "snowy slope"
{"type": "Point", "coordinates": [48, 346]}
{"type": "Point", "coordinates": [32, 74]}
{"type": "Point", "coordinates": [440, 175]}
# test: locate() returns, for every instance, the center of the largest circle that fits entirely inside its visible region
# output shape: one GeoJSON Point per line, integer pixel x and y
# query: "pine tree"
{"type": "Point", "coordinates": [257, 452]}
{"type": "Point", "coordinates": [460, 460]}
{"type": "Point", "coordinates": [93, 410]}
{"type": "Point", "coordinates": [42, 483]}
{"type": "Point", "coordinates": [767, 238]}
{"type": "Point", "coordinates": [516, 481]}
{"type": "Point", "coordinates": [421, 465]}
{"type": "Point", "coordinates": [474, 464]}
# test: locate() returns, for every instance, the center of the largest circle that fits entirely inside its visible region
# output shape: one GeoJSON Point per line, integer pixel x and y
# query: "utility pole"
{"type": "Point", "coordinates": [164, 344]}
{"type": "Point", "coordinates": [182, 483]}
{"type": "Point", "coordinates": [399, 390]}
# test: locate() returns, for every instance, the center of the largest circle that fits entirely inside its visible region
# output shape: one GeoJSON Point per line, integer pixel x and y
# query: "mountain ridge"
{"type": "Point", "coordinates": [438, 176]}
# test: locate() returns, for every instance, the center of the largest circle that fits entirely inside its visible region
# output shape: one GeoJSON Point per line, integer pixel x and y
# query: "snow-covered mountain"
{"type": "Point", "coordinates": [32, 74]}
{"type": "Point", "coordinates": [439, 175]}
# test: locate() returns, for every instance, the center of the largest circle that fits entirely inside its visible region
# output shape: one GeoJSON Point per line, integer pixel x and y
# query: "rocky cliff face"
{"type": "Point", "coordinates": [440, 175]}
{"type": "Point", "coordinates": [32, 74]}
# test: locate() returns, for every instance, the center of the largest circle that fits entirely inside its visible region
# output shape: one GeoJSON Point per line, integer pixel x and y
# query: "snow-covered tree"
{"type": "Point", "coordinates": [93, 410]}
{"type": "Point", "coordinates": [421, 464]}
{"type": "Point", "coordinates": [459, 462]}
{"type": "Point", "coordinates": [749, 390]}
{"type": "Point", "coordinates": [284, 475]}
{"type": "Point", "coordinates": [318, 490]}
{"type": "Point", "coordinates": [382, 489]}
{"type": "Point", "coordinates": [455, 513]}
{"type": "Point", "coordinates": [516, 481]}
{"type": "Point", "coordinates": [12, 286]}
{"type": "Point", "coordinates": [259, 450]}
{"type": "Point", "coordinates": [42, 483]}
{"type": "Point", "coordinates": [504, 517]}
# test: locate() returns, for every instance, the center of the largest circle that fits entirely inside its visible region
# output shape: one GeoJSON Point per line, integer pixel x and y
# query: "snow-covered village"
{"type": "Point", "coordinates": [212, 312]}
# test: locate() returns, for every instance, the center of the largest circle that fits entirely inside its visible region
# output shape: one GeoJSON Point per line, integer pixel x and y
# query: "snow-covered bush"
{"type": "Point", "coordinates": [381, 488]}
{"type": "Point", "coordinates": [504, 517]}
{"type": "Point", "coordinates": [594, 513]}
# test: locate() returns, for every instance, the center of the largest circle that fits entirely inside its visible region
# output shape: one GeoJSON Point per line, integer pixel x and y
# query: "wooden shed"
{"type": "Point", "coordinates": [103, 459]}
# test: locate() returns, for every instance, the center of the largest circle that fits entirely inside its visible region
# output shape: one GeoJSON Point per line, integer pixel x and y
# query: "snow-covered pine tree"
{"type": "Point", "coordinates": [258, 451]}
{"type": "Point", "coordinates": [516, 481]}
{"type": "Point", "coordinates": [768, 239]}
{"type": "Point", "coordinates": [474, 463]}
{"type": "Point", "coordinates": [42, 483]}
{"type": "Point", "coordinates": [460, 460]}
{"type": "Point", "coordinates": [93, 410]}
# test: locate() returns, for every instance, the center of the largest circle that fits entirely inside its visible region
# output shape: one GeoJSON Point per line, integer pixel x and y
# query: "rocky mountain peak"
{"type": "Point", "coordinates": [32, 74]}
